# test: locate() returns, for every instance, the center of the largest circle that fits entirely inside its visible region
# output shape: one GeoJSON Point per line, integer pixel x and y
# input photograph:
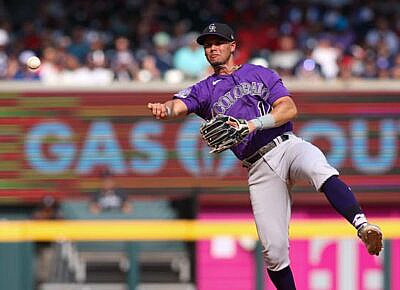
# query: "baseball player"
{"type": "Point", "coordinates": [258, 110]}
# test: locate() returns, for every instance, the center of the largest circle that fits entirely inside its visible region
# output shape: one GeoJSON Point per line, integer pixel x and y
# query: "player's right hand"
{"type": "Point", "coordinates": [158, 110]}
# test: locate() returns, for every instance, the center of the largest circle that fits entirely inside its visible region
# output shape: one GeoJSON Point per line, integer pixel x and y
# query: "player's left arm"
{"type": "Point", "coordinates": [283, 110]}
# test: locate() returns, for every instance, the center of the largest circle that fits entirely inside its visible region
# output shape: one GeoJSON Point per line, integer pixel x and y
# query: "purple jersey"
{"type": "Point", "coordinates": [247, 93]}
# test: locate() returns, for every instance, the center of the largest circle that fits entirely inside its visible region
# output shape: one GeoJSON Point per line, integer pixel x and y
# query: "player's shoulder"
{"type": "Point", "coordinates": [193, 90]}
{"type": "Point", "coordinates": [205, 84]}
{"type": "Point", "coordinates": [205, 81]}
{"type": "Point", "coordinates": [261, 72]}
{"type": "Point", "coordinates": [258, 68]}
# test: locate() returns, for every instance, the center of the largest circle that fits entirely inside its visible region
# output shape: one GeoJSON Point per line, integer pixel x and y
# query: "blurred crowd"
{"type": "Point", "coordinates": [98, 42]}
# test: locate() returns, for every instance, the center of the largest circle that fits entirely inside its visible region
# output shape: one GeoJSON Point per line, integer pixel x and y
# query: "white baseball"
{"type": "Point", "coordinates": [33, 62]}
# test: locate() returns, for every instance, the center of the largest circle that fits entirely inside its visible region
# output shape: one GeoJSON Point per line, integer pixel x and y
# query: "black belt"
{"type": "Point", "coordinates": [247, 162]}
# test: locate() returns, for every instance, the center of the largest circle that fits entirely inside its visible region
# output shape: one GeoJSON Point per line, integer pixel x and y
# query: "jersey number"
{"type": "Point", "coordinates": [262, 110]}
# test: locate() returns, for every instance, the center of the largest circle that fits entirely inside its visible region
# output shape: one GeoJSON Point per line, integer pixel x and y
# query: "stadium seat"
{"type": "Point", "coordinates": [93, 254]}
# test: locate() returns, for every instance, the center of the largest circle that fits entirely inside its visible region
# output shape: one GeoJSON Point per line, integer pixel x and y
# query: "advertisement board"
{"type": "Point", "coordinates": [58, 143]}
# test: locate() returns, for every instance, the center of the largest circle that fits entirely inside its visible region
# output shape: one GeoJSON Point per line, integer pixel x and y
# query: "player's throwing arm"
{"type": "Point", "coordinates": [169, 109]}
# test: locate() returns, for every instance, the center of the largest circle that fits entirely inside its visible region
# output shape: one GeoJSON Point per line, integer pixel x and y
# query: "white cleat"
{"type": "Point", "coordinates": [371, 235]}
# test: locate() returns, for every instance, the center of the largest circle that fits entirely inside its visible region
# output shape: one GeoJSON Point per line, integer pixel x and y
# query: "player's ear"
{"type": "Point", "coordinates": [233, 46]}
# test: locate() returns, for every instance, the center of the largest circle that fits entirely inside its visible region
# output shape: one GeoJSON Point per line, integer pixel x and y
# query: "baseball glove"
{"type": "Point", "coordinates": [219, 135]}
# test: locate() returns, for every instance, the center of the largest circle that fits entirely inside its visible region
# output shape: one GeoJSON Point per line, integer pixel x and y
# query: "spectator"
{"type": "Point", "coordinates": [345, 67]}
{"type": "Point", "coordinates": [50, 70]}
{"type": "Point", "coordinates": [59, 24]}
{"type": "Point", "coordinates": [370, 70]}
{"type": "Point", "coordinates": [382, 33]}
{"type": "Point", "coordinates": [30, 37]}
{"type": "Point", "coordinates": [79, 47]}
{"type": "Point", "coordinates": [48, 209]}
{"type": "Point", "coordinates": [97, 44]}
{"type": "Point", "coordinates": [18, 70]}
{"type": "Point", "coordinates": [178, 38]}
{"type": "Point", "coordinates": [98, 72]}
{"type": "Point", "coordinates": [308, 68]}
{"type": "Point", "coordinates": [383, 58]}
{"type": "Point", "coordinates": [149, 69]}
{"type": "Point", "coordinates": [162, 54]}
{"type": "Point", "coordinates": [190, 59]}
{"type": "Point", "coordinates": [122, 61]}
{"type": "Point", "coordinates": [286, 57]}
{"type": "Point", "coordinates": [395, 70]}
{"type": "Point", "coordinates": [109, 198]}
{"type": "Point", "coordinates": [73, 72]}
{"type": "Point", "coordinates": [96, 61]}
{"type": "Point", "coordinates": [358, 55]}
{"type": "Point", "coordinates": [3, 53]}
{"type": "Point", "coordinates": [327, 57]}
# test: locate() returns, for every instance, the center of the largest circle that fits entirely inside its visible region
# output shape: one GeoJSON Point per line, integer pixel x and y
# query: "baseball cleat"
{"type": "Point", "coordinates": [371, 235]}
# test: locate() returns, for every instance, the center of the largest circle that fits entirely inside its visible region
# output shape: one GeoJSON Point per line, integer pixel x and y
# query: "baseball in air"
{"type": "Point", "coordinates": [33, 62]}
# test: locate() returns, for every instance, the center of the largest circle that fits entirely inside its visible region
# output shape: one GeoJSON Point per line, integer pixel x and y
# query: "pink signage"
{"type": "Point", "coordinates": [342, 264]}
{"type": "Point", "coordinates": [318, 264]}
{"type": "Point", "coordinates": [395, 265]}
{"type": "Point", "coordinates": [223, 263]}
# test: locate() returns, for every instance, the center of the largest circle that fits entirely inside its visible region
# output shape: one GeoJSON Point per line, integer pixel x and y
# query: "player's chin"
{"type": "Point", "coordinates": [216, 63]}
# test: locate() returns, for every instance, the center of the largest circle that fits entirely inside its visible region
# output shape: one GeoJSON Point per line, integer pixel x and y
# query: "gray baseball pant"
{"type": "Point", "coordinates": [270, 181]}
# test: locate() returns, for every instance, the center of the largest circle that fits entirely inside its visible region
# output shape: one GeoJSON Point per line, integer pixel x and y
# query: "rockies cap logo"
{"type": "Point", "coordinates": [212, 28]}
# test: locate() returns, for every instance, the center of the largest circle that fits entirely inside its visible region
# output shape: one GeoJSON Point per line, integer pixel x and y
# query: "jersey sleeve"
{"type": "Point", "coordinates": [276, 88]}
{"type": "Point", "coordinates": [195, 101]}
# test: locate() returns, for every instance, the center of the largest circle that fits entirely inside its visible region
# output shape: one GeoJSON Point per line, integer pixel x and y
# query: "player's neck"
{"type": "Point", "coordinates": [226, 69]}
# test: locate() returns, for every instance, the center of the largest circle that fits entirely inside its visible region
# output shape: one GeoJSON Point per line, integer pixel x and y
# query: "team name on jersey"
{"type": "Point", "coordinates": [226, 101]}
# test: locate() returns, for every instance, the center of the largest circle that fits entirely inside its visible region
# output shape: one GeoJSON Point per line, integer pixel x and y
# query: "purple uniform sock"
{"type": "Point", "coordinates": [343, 200]}
{"type": "Point", "coordinates": [283, 279]}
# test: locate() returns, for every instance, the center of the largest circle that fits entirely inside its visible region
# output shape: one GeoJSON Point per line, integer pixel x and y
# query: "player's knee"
{"type": "Point", "coordinates": [276, 256]}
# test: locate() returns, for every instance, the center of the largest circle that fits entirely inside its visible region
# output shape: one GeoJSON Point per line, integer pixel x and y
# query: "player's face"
{"type": "Point", "coordinates": [218, 50]}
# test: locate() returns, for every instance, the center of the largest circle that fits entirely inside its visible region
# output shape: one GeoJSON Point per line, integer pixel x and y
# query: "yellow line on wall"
{"type": "Point", "coordinates": [161, 230]}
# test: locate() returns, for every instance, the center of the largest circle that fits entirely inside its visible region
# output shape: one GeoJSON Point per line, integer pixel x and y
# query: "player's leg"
{"type": "Point", "coordinates": [343, 200]}
{"type": "Point", "coordinates": [271, 204]}
{"type": "Point", "coordinates": [310, 163]}
{"type": "Point", "coordinates": [282, 279]}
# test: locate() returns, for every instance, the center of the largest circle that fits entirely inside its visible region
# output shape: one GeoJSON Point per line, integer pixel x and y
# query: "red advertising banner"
{"type": "Point", "coordinates": [58, 142]}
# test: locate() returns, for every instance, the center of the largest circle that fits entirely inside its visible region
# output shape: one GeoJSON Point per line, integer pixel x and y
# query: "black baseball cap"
{"type": "Point", "coordinates": [219, 29]}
